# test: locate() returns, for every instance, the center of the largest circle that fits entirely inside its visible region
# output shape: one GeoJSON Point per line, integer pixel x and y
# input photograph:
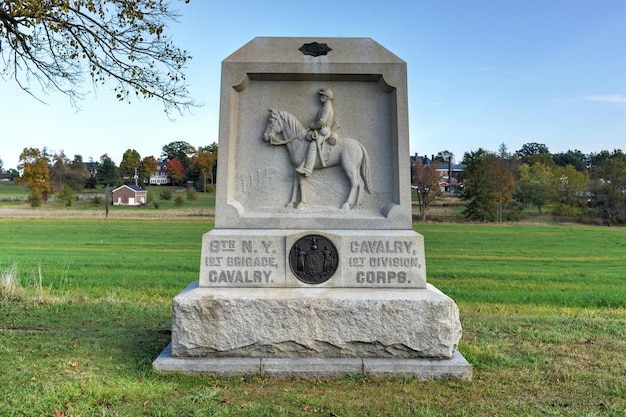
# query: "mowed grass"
{"type": "Point", "coordinates": [560, 266]}
{"type": "Point", "coordinates": [542, 307]}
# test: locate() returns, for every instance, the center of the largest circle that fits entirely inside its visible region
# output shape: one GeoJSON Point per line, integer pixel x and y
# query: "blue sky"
{"type": "Point", "coordinates": [480, 73]}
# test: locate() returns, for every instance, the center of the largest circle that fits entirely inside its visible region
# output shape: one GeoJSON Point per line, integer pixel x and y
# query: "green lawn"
{"type": "Point", "coordinates": [543, 311]}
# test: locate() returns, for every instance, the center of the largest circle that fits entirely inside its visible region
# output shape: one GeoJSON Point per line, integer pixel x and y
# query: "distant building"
{"type": "Point", "coordinates": [449, 172]}
{"type": "Point", "coordinates": [129, 195]}
{"type": "Point", "coordinates": [161, 175]}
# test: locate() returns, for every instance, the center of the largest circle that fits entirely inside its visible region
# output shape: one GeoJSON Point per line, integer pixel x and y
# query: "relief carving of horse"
{"type": "Point", "coordinates": [350, 154]}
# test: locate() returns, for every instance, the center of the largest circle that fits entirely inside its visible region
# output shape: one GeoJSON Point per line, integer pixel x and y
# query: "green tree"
{"type": "Point", "coordinates": [130, 162]}
{"type": "Point", "coordinates": [611, 176]}
{"type": "Point", "coordinates": [77, 174]}
{"type": "Point", "coordinates": [56, 43]}
{"type": "Point", "coordinates": [480, 204]}
{"type": "Point", "coordinates": [108, 172]}
{"type": "Point", "coordinates": [535, 152]}
{"type": "Point", "coordinates": [180, 150]}
{"type": "Point", "coordinates": [66, 195]}
{"type": "Point", "coordinates": [575, 158]}
{"type": "Point", "coordinates": [488, 185]}
{"type": "Point", "coordinates": [33, 164]}
{"type": "Point", "coordinates": [571, 186]}
{"type": "Point", "coordinates": [536, 184]}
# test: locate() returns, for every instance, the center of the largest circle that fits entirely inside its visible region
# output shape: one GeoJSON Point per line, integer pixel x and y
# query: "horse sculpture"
{"type": "Point", "coordinates": [349, 153]}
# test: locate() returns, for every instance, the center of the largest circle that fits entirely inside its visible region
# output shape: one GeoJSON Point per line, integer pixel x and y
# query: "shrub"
{"type": "Point", "coordinates": [566, 210]}
{"type": "Point", "coordinates": [34, 198]}
{"type": "Point", "coordinates": [66, 194]}
{"type": "Point", "coordinates": [180, 201]}
{"type": "Point", "coordinates": [166, 194]}
{"type": "Point", "coordinates": [97, 200]}
{"type": "Point", "coordinates": [192, 195]}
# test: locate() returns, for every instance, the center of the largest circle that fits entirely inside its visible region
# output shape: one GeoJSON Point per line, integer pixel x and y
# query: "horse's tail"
{"type": "Point", "coordinates": [365, 169]}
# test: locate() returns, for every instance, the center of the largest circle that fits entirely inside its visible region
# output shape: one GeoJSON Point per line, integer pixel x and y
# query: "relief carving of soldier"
{"type": "Point", "coordinates": [318, 147]}
{"type": "Point", "coordinates": [321, 130]}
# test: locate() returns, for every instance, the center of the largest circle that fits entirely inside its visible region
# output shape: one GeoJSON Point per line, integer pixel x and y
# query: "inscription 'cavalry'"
{"type": "Point", "coordinates": [381, 246]}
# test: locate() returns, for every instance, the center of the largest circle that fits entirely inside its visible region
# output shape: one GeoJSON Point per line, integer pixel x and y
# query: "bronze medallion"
{"type": "Point", "coordinates": [313, 259]}
{"type": "Point", "coordinates": [315, 49]}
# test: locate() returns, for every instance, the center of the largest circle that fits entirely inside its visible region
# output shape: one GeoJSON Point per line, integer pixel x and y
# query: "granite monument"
{"type": "Point", "coordinates": [313, 268]}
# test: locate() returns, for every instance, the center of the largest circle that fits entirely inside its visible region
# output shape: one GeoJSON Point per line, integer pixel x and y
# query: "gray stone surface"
{"type": "Point", "coordinates": [259, 258]}
{"type": "Point", "coordinates": [314, 323]}
{"type": "Point", "coordinates": [423, 369]}
{"type": "Point", "coordinates": [313, 268]}
{"type": "Point", "coordinates": [256, 179]}
{"type": "Point", "coordinates": [311, 367]}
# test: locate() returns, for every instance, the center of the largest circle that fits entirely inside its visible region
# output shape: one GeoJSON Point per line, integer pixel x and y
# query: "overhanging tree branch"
{"type": "Point", "coordinates": [57, 42]}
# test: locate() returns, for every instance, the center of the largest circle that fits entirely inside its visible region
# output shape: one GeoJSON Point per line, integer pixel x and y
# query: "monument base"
{"type": "Point", "coordinates": [423, 369]}
{"type": "Point", "coordinates": [315, 332]}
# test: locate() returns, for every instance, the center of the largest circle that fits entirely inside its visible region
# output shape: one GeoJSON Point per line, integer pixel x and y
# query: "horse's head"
{"type": "Point", "coordinates": [274, 127]}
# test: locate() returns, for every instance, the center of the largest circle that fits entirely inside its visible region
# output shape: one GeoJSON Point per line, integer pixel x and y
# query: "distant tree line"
{"type": "Point", "coordinates": [497, 185]}
{"type": "Point", "coordinates": [46, 173]}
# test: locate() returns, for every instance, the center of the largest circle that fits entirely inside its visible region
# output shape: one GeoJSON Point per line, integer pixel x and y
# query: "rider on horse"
{"type": "Point", "coordinates": [321, 130]}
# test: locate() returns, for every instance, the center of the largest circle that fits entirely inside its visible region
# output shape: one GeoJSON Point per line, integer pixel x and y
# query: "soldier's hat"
{"type": "Point", "coordinates": [327, 92]}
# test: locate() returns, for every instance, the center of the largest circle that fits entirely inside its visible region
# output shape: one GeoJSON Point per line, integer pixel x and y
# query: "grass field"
{"type": "Point", "coordinates": [543, 310]}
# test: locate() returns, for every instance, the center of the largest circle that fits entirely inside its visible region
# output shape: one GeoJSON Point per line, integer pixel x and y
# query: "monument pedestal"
{"type": "Point", "coordinates": [315, 332]}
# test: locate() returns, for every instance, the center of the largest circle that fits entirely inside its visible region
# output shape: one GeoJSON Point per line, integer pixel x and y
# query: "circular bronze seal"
{"type": "Point", "coordinates": [313, 259]}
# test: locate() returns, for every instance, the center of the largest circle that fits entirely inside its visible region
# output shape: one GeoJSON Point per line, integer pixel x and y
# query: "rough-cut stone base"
{"type": "Point", "coordinates": [423, 369]}
{"type": "Point", "coordinates": [314, 323]}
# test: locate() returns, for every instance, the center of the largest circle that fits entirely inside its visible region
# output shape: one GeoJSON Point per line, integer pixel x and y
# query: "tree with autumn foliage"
{"type": "Point", "coordinates": [203, 162]}
{"type": "Point", "coordinates": [146, 167]}
{"type": "Point", "coordinates": [55, 43]}
{"type": "Point", "coordinates": [425, 182]}
{"type": "Point", "coordinates": [33, 165]}
{"type": "Point", "coordinates": [502, 181]}
{"type": "Point", "coordinates": [176, 170]}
